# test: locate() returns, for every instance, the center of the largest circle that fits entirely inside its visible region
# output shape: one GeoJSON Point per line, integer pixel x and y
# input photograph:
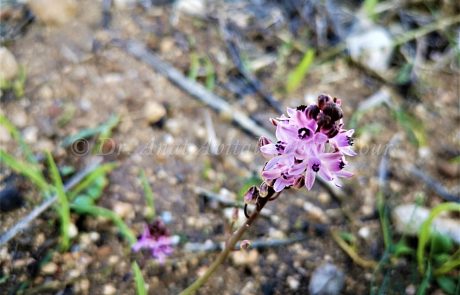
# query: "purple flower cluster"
{"type": "Point", "coordinates": [310, 141]}
{"type": "Point", "coordinates": [156, 238]}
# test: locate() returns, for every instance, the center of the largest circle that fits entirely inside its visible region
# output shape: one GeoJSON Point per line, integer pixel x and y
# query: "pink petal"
{"type": "Point", "coordinates": [309, 178]}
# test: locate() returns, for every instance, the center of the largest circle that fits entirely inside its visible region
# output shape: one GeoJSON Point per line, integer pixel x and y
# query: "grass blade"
{"type": "Point", "coordinates": [99, 171]}
{"type": "Point", "coordinates": [298, 74]}
{"type": "Point", "coordinates": [425, 230]}
{"type": "Point", "coordinates": [63, 204]}
{"type": "Point", "coordinates": [26, 169]}
{"type": "Point", "coordinates": [18, 137]}
{"type": "Point", "coordinates": [148, 196]}
{"type": "Point", "coordinates": [109, 214]}
{"type": "Point", "coordinates": [138, 279]}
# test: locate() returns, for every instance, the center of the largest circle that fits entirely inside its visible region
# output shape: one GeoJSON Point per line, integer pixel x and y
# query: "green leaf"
{"type": "Point", "coordinates": [91, 178]}
{"type": "Point", "coordinates": [425, 230]}
{"type": "Point", "coordinates": [194, 66]}
{"type": "Point", "coordinates": [18, 137]}
{"type": "Point", "coordinates": [103, 130]}
{"type": "Point", "coordinates": [138, 279]}
{"type": "Point", "coordinates": [369, 7]}
{"type": "Point", "coordinates": [402, 249]}
{"type": "Point", "coordinates": [441, 244]}
{"type": "Point", "coordinates": [210, 74]}
{"type": "Point", "coordinates": [447, 284]}
{"type": "Point", "coordinates": [148, 194]}
{"type": "Point", "coordinates": [109, 214]}
{"type": "Point", "coordinates": [26, 169]}
{"type": "Point", "coordinates": [63, 204]}
{"type": "Point", "coordinates": [298, 74]}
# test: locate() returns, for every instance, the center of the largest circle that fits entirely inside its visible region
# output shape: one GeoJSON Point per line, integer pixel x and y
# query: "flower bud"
{"type": "Point", "coordinates": [263, 141]}
{"type": "Point", "coordinates": [245, 244]}
{"type": "Point", "coordinates": [263, 192]}
{"type": "Point", "coordinates": [251, 195]}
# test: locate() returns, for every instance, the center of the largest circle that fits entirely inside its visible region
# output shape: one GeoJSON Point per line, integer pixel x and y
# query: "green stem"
{"type": "Point", "coordinates": [228, 247]}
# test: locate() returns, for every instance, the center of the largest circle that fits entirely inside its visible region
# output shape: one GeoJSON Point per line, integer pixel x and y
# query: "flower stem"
{"type": "Point", "coordinates": [229, 246]}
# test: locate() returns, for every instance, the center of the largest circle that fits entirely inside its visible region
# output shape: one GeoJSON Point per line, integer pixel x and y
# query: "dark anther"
{"type": "Point", "coordinates": [284, 175]}
{"type": "Point", "coordinates": [280, 146]}
{"type": "Point", "coordinates": [315, 167]}
{"type": "Point", "coordinates": [304, 132]}
{"type": "Point", "coordinates": [246, 211]}
{"type": "Point", "coordinates": [350, 140]}
{"type": "Point", "coordinates": [341, 164]}
{"type": "Point", "coordinates": [302, 107]}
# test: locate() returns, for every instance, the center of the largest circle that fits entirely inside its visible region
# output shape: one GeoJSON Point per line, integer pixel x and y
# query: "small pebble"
{"type": "Point", "coordinates": [73, 230]}
{"type": "Point", "coordinates": [109, 290]}
{"type": "Point", "coordinates": [8, 65]}
{"type": "Point", "coordinates": [124, 210]}
{"type": "Point", "coordinates": [50, 268]}
{"type": "Point", "coordinates": [245, 257]}
{"type": "Point", "coordinates": [364, 232]}
{"type": "Point", "coordinates": [293, 283]}
{"type": "Point", "coordinates": [327, 279]}
{"type": "Point", "coordinates": [154, 112]}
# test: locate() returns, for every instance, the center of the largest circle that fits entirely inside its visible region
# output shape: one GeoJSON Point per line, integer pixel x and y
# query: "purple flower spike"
{"type": "Point", "coordinates": [156, 238]}
{"type": "Point", "coordinates": [310, 142]}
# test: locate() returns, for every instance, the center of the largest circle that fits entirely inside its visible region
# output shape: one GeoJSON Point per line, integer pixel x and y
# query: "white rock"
{"type": "Point", "coordinates": [364, 232]}
{"type": "Point", "coordinates": [54, 12]}
{"type": "Point", "coordinates": [408, 219]}
{"type": "Point", "coordinates": [371, 47]}
{"type": "Point", "coordinates": [121, 4]}
{"type": "Point", "coordinates": [191, 7]}
{"type": "Point", "coordinates": [8, 65]}
{"type": "Point", "coordinates": [327, 279]}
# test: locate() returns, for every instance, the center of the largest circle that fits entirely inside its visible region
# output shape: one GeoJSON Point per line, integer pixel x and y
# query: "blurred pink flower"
{"type": "Point", "coordinates": [155, 238]}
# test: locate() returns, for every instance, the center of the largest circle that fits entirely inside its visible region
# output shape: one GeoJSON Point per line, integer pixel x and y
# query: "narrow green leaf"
{"type": "Point", "coordinates": [109, 214]}
{"type": "Point", "coordinates": [26, 169]}
{"type": "Point", "coordinates": [138, 279]}
{"type": "Point", "coordinates": [18, 137]}
{"type": "Point", "coordinates": [63, 209]}
{"type": "Point", "coordinates": [425, 230]}
{"type": "Point", "coordinates": [149, 198]}
{"type": "Point", "coordinates": [90, 178]}
{"type": "Point", "coordinates": [447, 284]}
{"type": "Point", "coordinates": [210, 74]}
{"type": "Point", "coordinates": [194, 66]}
{"type": "Point", "coordinates": [298, 74]}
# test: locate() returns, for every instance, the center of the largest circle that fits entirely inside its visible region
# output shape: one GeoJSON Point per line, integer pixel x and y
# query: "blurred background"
{"type": "Point", "coordinates": [152, 109]}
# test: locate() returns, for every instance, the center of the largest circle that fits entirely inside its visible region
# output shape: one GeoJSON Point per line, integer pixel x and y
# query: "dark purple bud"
{"type": "Point", "coordinates": [333, 111]}
{"type": "Point", "coordinates": [323, 99]}
{"type": "Point", "coordinates": [312, 112]}
{"type": "Point", "coordinates": [251, 195]}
